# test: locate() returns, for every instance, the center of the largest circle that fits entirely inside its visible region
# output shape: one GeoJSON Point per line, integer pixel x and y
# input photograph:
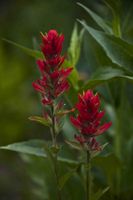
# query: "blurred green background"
{"type": "Point", "coordinates": [21, 21]}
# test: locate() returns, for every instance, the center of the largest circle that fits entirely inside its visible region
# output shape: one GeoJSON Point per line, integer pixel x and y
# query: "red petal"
{"type": "Point", "coordinates": [75, 122]}
{"type": "Point", "coordinates": [52, 34]}
{"type": "Point", "coordinates": [65, 72]}
{"type": "Point", "coordinates": [55, 75]}
{"type": "Point", "coordinates": [61, 88]}
{"type": "Point", "coordinates": [59, 44]}
{"type": "Point", "coordinates": [80, 139]}
{"type": "Point", "coordinates": [103, 128]}
{"type": "Point", "coordinates": [38, 87]}
{"type": "Point", "coordinates": [46, 101]}
{"type": "Point", "coordinates": [40, 64]}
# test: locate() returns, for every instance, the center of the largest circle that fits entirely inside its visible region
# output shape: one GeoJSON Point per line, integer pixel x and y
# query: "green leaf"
{"type": "Point", "coordinates": [41, 120]}
{"type": "Point", "coordinates": [105, 75]}
{"type": "Point", "coordinates": [74, 76]}
{"type": "Point", "coordinates": [118, 50]}
{"type": "Point", "coordinates": [33, 147]}
{"type": "Point", "coordinates": [74, 145]}
{"type": "Point", "coordinates": [99, 20]}
{"type": "Point", "coordinates": [97, 195]}
{"type": "Point", "coordinates": [115, 7]}
{"type": "Point", "coordinates": [75, 45]}
{"type": "Point", "coordinates": [73, 55]}
{"type": "Point", "coordinates": [30, 52]}
{"type": "Point", "coordinates": [96, 153]}
{"type": "Point", "coordinates": [37, 148]}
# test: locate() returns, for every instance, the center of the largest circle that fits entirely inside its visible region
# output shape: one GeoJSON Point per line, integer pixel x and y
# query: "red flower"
{"type": "Point", "coordinates": [53, 81]}
{"type": "Point", "coordinates": [52, 44]}
{"type": "Point", "coordinates": [88, 120]}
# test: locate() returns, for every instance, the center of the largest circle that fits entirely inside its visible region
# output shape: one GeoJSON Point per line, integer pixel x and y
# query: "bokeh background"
{"type": "Point", "coordinates": [21, 21]}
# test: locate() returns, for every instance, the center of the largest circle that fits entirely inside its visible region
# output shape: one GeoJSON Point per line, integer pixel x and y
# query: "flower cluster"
{"type": "Point", "coordinates": [53, 81]}
{"type": "Point", "coordinates": [88, 120]}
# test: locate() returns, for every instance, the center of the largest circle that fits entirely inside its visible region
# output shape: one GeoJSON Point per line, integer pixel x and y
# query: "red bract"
{"type": "Point", "coordinates": [88, 120]}
{"type": "Point", "coordinates": [52, 44]}
{"type": "Point", "coordinates": [53, 81]}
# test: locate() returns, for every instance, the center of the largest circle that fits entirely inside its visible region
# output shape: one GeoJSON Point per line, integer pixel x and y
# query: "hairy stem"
{"type": "Point", "coordinates": [57, 176]}
{"type": "Point", "coordinates": [53, 130]}
{"type": "Point", "coordinates": [55, 156]}
{"type": "Point", "coordinates": [88, 176]}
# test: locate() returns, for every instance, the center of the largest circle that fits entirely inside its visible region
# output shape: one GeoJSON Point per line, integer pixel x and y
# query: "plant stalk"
{"type": "Point", "coordinates": [57, 176]}
{"type": "Point", "coordinates": [55, 156]}
{"type": "Point", "coordinates": [88, 176]}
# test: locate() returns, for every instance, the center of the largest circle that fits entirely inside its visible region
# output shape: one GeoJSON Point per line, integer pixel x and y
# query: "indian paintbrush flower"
{"type": "Point", "coordinates": [53, 81]}
{"type": "Point", "coordinates": [88, 120]}
{"type": "Point", "coordinates": [51, 85]}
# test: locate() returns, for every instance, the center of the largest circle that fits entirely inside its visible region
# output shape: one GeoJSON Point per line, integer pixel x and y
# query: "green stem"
{"type": "Point", "coordinates": [57, 176]}
{"type": "Point", "coordinates": [53, 132]}
{"type": "Point", "coordinates": [118, 135]}
{"type": "Point", "coordinates": [88, 176]}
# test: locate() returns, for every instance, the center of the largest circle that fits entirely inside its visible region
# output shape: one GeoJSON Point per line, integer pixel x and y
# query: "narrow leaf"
{"type": "Point", "coordinates": [41, 120]}
{"type": "Point", "coordinates": [118, 50]}
{"type": "Point", "coordinates": [75, 45]}
{"type": "Point", "coordinates": [99, 20]}
{"type": "Point", "coordinates": [96, 153]}
{"type": "Point", "coordinates": [36, 148]}
{"type": "Point", "coordinates": [74, 144]}
{"type": "Point", "coordinates": [74, 54]}
{"type": "Point", "coordinates": [33, 147]}
{"type": "Point", "coordinates": [105, 75]}
{"type": "Point", "coordinates": [30, 52]}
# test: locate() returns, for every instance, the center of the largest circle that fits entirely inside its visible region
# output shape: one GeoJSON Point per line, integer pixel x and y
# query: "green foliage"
{"type": "Point", "coordinates": [74, 145]}
{"type": "Point", "coordinates": [99, 20]}
{"type": "Point", "coordinates": [107, 74]}
{"type": "Point", "coordinates": [37, 148]}
{"type": "Point", "coordinates": [73, 55]}
{"type": "Point", "coordinates": [118, 50]}
{"type": "Point", "coordinates": [40, 120]}
{"type": "Point", "coordinates": [34, 147]}
{"type": "Point", "coordinates": [75, 46]}
{"type": "Point", "coordinates": [115, 57]}
{"type": "Point", "coordinates": [28, 51]}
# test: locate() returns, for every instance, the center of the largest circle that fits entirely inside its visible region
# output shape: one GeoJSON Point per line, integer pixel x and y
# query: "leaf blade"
{"type": "Point", "coordinates": [35, 147]}
{"type": "Point", "coordinates": [40, 120]}
{"type": "Point", "coordinates": [99, 20]}
{"type": "Point", "coordinates": [119, 51]}
{"type": "Point", "coordinates": [31, 52]}
{"type": "Point", "coordinates": [107, 74]}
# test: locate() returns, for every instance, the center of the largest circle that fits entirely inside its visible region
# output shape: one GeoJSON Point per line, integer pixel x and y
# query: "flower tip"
{"type": "Point", "coordinates": [42, 35]}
